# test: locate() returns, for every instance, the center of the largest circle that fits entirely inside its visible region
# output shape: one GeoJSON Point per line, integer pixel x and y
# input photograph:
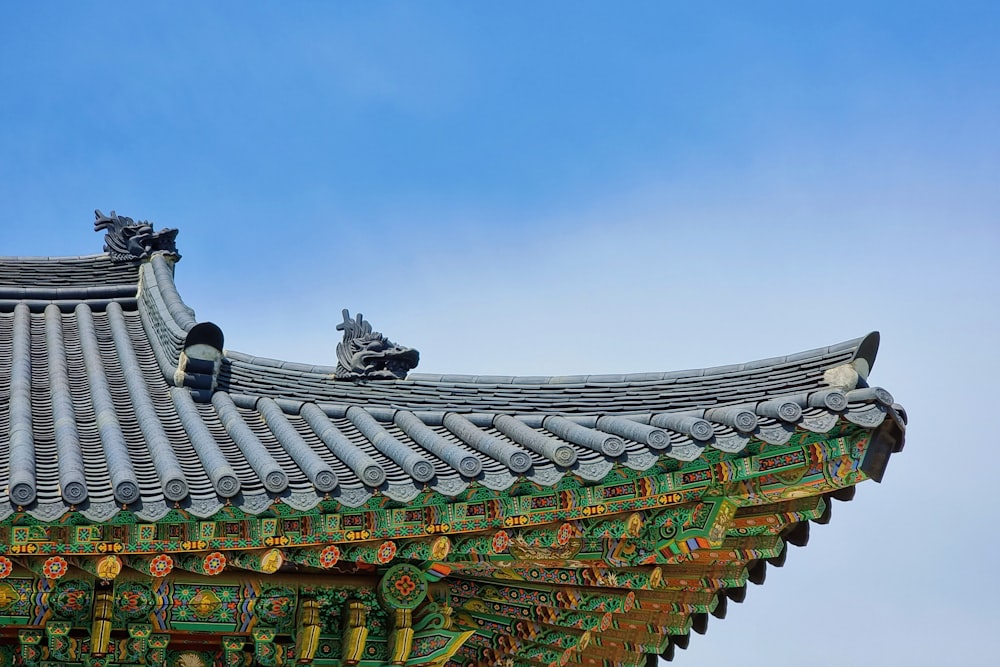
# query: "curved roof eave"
{"type": "Point", "coordinates": [294, 432]}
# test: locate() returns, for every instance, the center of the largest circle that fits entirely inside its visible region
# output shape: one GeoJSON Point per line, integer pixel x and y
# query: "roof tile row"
{"type": "Point", "coordinates": [101, 411]}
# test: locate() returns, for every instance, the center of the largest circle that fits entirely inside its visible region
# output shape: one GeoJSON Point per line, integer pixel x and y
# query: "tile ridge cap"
{"type": "Point", "coordinates": [54, 258]}
{"type": "Point", "coordinates": [851, 345]}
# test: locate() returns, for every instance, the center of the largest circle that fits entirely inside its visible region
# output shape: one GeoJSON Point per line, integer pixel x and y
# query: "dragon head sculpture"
{"type": "Point", "coordinates": [126, 240]}
{"type": "Point", "coordinates": [365, 354]}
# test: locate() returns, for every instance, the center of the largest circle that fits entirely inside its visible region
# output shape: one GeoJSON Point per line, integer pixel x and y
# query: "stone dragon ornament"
{"type": "Point", "coordinates": [365, 354]}
{"type": "Point", "coordinates": [126, 240]}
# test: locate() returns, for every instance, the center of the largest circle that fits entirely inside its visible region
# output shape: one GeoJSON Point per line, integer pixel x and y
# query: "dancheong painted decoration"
{"type": "Point", "coordinates": [165, 501]}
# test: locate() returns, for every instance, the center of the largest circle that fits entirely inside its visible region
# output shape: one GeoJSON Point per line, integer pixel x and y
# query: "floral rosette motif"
{"type": "Point", "coordinates": [161, 565]}
{"type": "Point", "coordinates": [606, 621]}
{"type": "Point", "coordinates": [405, 585]}
{"type": "Point", "coordinates": [564, 534]}
{"type": "Point", "coordinates": [214, 563]}
{"type": "Point", "coordinates": [133, 600]}
{"type": "Point", "coordinates": [501, 540]}
{"type": "Point", "coordinates": [55, 567]}
{"type": "Point", "coordinates": [386, 552]}
{"type": "Point", "coordinates": [402, 587]}
{"type": "Point", "coordinates": [6, 567]}
{"type": "Point", "coordinates": [276, 606]}
{"type": "Point", "coordinates": [70, 599]}
{"type": "Point", "coordinates": [329, 556]}
{"type": "Point", "coordinates": [629, 601]}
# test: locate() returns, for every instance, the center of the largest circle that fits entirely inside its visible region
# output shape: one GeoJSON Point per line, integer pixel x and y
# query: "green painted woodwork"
{"type": "Point", "coordinates": [747, 480]}
{"type": "Point", "coordinates": [538, 576]}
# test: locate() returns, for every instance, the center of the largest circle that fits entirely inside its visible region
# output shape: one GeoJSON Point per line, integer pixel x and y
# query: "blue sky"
{"type": "Point", "coordinates": [579, 188]}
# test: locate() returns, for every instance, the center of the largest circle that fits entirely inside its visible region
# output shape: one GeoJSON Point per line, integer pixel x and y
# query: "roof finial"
{"type": "Point", "coordinates": [126, 240]}
{"type": "Point", "coordinates": [365, 354]}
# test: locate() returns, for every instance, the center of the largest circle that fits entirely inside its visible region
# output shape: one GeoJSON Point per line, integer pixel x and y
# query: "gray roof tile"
{"type": "Point", "coordinates": [101, 409]}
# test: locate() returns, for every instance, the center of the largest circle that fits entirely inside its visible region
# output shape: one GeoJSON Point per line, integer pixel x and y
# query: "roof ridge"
{"type": "Point", "coordinates": [51, 258]}
{"type": "Point", "coordinates": [864, 347]}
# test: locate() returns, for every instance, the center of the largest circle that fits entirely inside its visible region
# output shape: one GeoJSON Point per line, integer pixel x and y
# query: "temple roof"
{"type": "Point", "coordinates": [147, 411]}
{"type": "Point", "coordinates": [590, 520]}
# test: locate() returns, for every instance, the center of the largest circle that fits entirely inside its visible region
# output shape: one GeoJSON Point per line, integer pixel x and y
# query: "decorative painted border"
{"type": "Point", "coordinates": [813, 464]}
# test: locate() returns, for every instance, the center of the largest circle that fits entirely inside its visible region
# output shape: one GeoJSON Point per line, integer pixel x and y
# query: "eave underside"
{"type": "Point", "coordinates": [600, 576]}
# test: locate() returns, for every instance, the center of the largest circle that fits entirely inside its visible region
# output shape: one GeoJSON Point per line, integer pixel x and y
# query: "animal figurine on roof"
{"type": "Point", "coordinates": [365, 354]}
{"type": "Point", "coordinates": [126, 240]}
